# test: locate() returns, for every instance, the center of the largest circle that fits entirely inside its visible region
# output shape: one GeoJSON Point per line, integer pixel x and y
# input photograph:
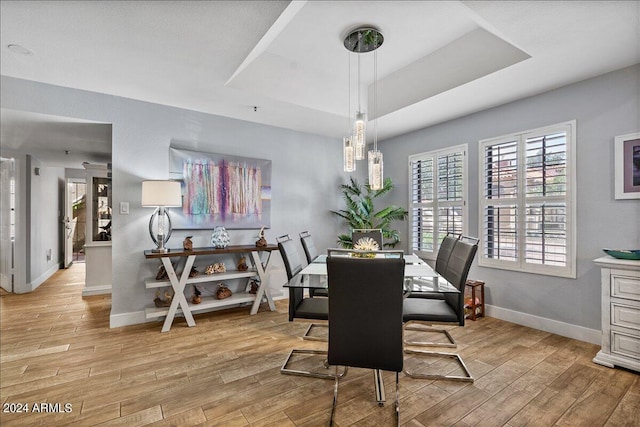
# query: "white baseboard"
{"type": "Point", "coordinates": [44, 276]}
{"type": "Point", "coordinates": [127, 319]}
{"type": "Point", "coordinates": [97, 290]}
{"type": "Point", "coordinates": [581, 333]}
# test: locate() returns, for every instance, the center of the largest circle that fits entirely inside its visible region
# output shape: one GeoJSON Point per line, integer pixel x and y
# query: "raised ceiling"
{"type": "Point", "coordinates": [439, 61]}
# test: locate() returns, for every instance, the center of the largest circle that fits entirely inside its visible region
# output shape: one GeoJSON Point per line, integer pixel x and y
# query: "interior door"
{"type": "Point", "coordinates": [7, 216]}
{"type": "Point", "coordinates": [69, 222]}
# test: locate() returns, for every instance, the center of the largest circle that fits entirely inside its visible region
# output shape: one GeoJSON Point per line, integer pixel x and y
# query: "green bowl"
{"type": "Point", "coordinates": [633, 254]}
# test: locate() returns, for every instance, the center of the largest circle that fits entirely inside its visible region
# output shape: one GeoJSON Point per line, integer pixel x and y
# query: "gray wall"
{"type": "Point", "coordinates": [44, 221]}
{"type": "Point", "coordinates": [604, 107]}
{"type": "Point", "coordinates": [306, 171]}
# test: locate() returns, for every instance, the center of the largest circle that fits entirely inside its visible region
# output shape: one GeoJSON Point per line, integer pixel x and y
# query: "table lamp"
{"type": "Point", "coordinates": [161, 195]}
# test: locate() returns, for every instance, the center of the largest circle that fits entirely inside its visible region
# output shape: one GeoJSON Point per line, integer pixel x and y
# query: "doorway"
{"type": "Point", "coordinates": [7, 222]}
{"type": "Point", "coordinates": [75, 221]}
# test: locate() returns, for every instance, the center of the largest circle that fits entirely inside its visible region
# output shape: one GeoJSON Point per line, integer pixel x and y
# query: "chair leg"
{"type": "Point", "coordinates": [457, 357]}
{"type": "Point", "coordinates": [378, 382]}
{"type": "Point", "coordinates": [311, 374]}
{"type": "Point", "coordinates": [335, 397]}
{"type": "Point", "coordinates": [306, 335]}
{"type": "Point", "coordinates": [397, 400]}
{"type": "Point", "coordinates": [410, 326]}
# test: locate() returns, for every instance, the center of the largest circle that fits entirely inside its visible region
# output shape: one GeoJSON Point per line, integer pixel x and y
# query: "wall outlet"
{"type": "Point", "coordinates": [48, 254]}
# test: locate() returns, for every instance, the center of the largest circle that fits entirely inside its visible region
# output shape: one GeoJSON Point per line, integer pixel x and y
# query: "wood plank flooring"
{"type": "Point", "coordinates": [57, 349]}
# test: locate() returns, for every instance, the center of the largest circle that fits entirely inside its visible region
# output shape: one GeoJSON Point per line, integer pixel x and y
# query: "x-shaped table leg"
{"type": "Point", "coordinates": [179, 299]}
{"type": "Point", "coordinates": [263, 289]}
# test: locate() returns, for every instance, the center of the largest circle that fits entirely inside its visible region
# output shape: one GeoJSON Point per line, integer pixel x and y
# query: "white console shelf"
{"type": "Point", "coordinates": [179, 303]}
{"type": "Point", "coordinates": [620, 313]}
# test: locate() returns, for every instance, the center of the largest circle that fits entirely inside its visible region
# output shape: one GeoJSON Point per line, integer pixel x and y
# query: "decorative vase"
{"type": "Point", "coordinates": [220, 238]}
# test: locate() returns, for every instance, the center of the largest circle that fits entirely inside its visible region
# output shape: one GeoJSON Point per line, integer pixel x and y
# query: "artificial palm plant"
{"type": "Point", "coordinates": [360, 212]}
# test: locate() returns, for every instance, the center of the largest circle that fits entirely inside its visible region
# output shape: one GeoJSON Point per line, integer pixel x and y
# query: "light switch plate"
{"type": "Point", "coordinates": [124, 208]}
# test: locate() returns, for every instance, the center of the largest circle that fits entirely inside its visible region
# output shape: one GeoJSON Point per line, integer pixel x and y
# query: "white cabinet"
{"type": "Point", "coordinates": [620, 313]}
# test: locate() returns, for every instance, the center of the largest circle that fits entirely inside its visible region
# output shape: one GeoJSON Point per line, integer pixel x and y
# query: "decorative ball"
{"type": "Point", "coordinates": [220, 238]}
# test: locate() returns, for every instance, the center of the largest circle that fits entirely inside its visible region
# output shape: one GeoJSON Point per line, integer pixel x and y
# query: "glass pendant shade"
{"type": "Point", "coordinates": [359, 134]}
{"type": "Point", "coordinates": [349, 155]}
{"type": "Point", "coordinates": [375, 170]}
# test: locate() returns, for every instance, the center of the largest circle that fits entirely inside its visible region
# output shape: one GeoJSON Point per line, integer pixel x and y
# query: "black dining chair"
{"type": "Point", "coordinates": [421, 285]}
{"type": "Point", "coordinates": [301, 307]}
{"type": "Point", "coordinates": [449, 310]}
{"type": "Point", "coordinates": [311, 253]}
{"type": "Point", "coordinates": [373, 233]}
{"type": "Point", "coordinates": [365, 315]}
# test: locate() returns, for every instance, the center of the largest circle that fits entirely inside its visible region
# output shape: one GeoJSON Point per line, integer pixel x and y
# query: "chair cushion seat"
{"type": "Point", "coordinates": [320, 292]}
{"type": "Point", "coordinates": [429, 310]}
{"type": "Point", "coordinates": [313, 308]}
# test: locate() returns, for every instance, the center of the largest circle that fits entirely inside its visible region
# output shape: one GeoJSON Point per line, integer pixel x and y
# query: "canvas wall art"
{"type": "Point", "coordinates": [221, 190]}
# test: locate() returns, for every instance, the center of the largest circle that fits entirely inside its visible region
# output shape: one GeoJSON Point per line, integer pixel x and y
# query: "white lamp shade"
{"type": "Point", "coordinates": [161, 193]}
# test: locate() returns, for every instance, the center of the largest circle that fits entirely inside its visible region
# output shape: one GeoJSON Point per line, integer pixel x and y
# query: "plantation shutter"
{"type": "Point", "coordinates": [437, 194]}
{"type": "Point", "coordinates": [526, 206]}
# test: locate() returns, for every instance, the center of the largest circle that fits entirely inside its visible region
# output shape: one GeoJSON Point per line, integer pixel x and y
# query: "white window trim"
{"type": "Point", "coordinates": [465, 194]}
{"type": "Point", "coordinates": [570, 270]}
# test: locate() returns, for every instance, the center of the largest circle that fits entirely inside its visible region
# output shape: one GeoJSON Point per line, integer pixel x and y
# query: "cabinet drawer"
{"type": "Point", "coordinates": [625, 345]}
{"type": "Point", "coordinates": [626, 316]}
{"type": "Point", "coordinates": [623, 286]}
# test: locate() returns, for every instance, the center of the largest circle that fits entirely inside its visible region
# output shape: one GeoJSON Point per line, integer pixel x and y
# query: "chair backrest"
{"type": "Point", "coordinates": [293, 266]}
{"type": "Point", "coordinates": [456, 273]}
{"type": "Point", "coordinates": [444, 253]}
{"type": "Point", "coordinates": [290, 255]}
{"type": "Point", "coordinates": [309, 247]}
{"type": "Point", "coordinates": [459, 263]}
{"type": "Point", "coordinates": [365, 312]}
{"type": "Point", "coordinates": [359, 233]}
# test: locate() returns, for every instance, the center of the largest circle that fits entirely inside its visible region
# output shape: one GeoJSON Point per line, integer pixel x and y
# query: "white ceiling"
{"type": "Point", "coordinates": [439, 60]}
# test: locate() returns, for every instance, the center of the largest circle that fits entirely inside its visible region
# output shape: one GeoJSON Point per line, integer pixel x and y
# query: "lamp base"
{"type": "Point", "coordinates": [160, 250]}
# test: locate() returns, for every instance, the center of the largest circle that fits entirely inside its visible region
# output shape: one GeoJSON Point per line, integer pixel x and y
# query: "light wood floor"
{"type": "Point", "coordinates": [56, 347]}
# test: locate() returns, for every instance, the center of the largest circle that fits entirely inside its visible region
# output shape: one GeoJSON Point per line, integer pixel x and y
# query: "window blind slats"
{"type": "Point", "coordinates": [501, 170]}
{"type": "Point", "coordinates": [437, 197]}
{"type": "Point", "coordinates": [525, 189]}
{"type": "Point", "coordinates": [422, 229]}
{"type": "Point", "coordinates": [546, 234]}
{"type": "Point", "coordinates": [501, 232]}
{"type": "Point", "coordinates": [546, 157]}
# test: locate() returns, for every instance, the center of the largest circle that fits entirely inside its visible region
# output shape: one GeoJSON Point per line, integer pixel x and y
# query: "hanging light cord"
{"type": "Point", "coordinates": [349, 94]}
{"type": "Point", "coordinates": [359, 101]}
{"type": "Point", "coordinates": [375, 100]}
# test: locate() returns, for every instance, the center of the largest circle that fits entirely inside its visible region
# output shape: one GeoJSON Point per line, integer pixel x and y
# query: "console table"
{"type": "Point", "coordinates": [620, 313]}
{"type": "Point", "coordinates": [179, 301]}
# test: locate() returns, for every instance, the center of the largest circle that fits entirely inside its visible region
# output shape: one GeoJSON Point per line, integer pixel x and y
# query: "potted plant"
{"type": "Point", "coordinates": [360, 212]}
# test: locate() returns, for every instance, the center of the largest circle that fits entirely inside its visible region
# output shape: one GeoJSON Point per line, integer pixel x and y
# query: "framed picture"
{"type": "Point", "coordinates": [627, 166]}
{"type": "Point", "coordinates": [220, 190]}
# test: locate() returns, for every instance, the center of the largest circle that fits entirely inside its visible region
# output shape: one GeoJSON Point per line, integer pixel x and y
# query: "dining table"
{"type": "Point", "coordinates": [419, 277]}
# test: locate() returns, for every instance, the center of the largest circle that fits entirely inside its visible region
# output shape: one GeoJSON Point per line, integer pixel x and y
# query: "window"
{"type": "Point", "coordinates": [527, 201]}
{"type": "Point", "coordinates": [438, 194]}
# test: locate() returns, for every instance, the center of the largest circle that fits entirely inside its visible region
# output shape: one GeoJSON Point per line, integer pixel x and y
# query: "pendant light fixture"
{"type": "Point", "coordinates": [375, 156]}
{"type": "Point", "coordinates": [363, 40]}
{"type": "Point", "coordinates": [348, 148]}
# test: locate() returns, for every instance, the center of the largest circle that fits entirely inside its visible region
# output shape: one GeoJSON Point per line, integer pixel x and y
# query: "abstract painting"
{"type": "Point", "coordinates": [220, 190]}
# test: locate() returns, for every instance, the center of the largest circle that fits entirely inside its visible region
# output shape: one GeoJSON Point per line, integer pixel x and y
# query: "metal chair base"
{"type": "Point", "coordinates": [308, 337]}
{"type": "Point", "coordinates": [467, 377]}
{"type": "Point", "coordinates": [287, 371]}
{"type": "Point", "coordinates": [379, 387]}
{"type": "Point", "coordinates": [410, 326]}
